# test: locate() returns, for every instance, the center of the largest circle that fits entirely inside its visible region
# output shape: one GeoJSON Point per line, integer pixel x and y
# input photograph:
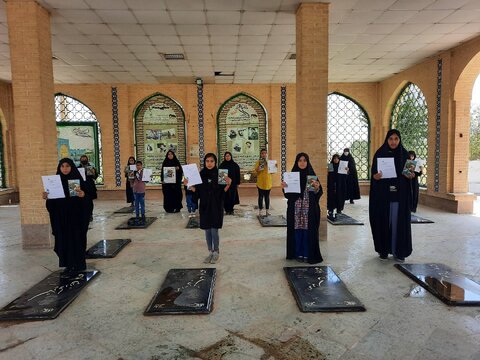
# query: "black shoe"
{"type": "Point", "coordinates": [383, 256]}
{"type": "Point", "coordinates": [339, 212]}
{"type": "Point", "coordinates": [351, 202]}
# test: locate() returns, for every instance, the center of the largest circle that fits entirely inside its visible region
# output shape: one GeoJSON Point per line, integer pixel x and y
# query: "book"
{"type": "Point", "coordinates": [330, 167]}
{"type": "Point", "coordinates": [90, 171]}
{"type": "Point", "coordinates": [262, 165]}
{"type": "Point", "coordinates": [169, 175]}
{"type": "Point", "coordinates": [222, 175]}
{"type": "Point", "coordinates": [409, 168]}
{"type": "Point", "coordinates": [310, 179]}
{"type": "Point", "coordinates": [73, 187]}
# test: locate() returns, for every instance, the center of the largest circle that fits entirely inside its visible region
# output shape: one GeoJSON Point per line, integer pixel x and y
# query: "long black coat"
{"type": "Point", "coordinates": [314, 255]}
{"type": "Point", "coordinates": [336, 189]}
{"type": "Point", "coordinates": [211, 196]}
{"type": "Point", "coordinates": [379, 205]}
{"type": "Point", "coordinates": [231, 196]}
{"type": "Point", "coordinates": [172, 193]}
{"type": "Point", "coordinates": [352, 187]}
{"type": "Point", "coordinates": [415, 190]}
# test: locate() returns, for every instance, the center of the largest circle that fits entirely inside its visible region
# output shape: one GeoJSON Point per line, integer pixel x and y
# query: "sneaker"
{"type": "Point", "coordinates": [260, 212]}
{"type": "Point", "coordinates": [352, 202]}
{"type": "Point", "coordinates": [214, 258]}
{"type": "Point", "coordinates": [267, 213]}
{"type": "Point", "coordinates": [399, 259]}
{"type": "Point", "coordinates": [383, 257]}
{"type": "Point", "coordinates": [208, 259]}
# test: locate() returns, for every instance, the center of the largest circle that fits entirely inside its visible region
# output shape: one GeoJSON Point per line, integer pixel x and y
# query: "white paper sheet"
{"type": "Point", "coordinates": [272, 166]}
{"type": "Point", "coordinates": [133, 167]}
{"type": "Point", "coordinates": [387, 167]}
{"type": "Point", "coordinates": [53, 186]}
{"type": "Point", "coordinates": [190, 172]}
{"type": "Point", "coordinates": [420, 162]}
{"type": "Point", "coordinates": [342, 167]}
{"type": "Point", "coordinates": [147, 175]}
{"type": "Point", "coordinates": [81, 170]}
{"type": "Point", "coordinates": [293, 182]}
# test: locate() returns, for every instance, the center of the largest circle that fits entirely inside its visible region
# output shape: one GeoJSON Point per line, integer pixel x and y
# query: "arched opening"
{"type": "Point", "coordinates": [159, 127]}
{"type": "Point", "coordinates": [474, 150]}
{"type": "Point", "coordinates": [349, 127]}
{"type": "Point", "coordinates": [242, 130]}
{"type": "Point", "coordinates": [410, 117]}
{"type": "Point", "coordinates": [78, 132]}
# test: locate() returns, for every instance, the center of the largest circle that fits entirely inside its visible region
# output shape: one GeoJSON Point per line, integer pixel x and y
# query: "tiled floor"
{"type": "Point", "coordinates": [255, 315]}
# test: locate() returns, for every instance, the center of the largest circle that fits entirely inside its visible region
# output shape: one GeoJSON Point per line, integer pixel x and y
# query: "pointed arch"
{"type": "Point", "coordinates": [410, 116]}
{"type": "Point", "coordinates": [349, 127]}
{"type": "Point", "coordinates": [78, 132]}
{"type": "Point", "coordinates": [242, 130]}
{"type": "Point", "coordinates": [159, 123]}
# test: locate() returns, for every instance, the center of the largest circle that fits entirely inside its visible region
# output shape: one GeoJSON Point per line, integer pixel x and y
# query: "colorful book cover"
{"type": "Point", "coordinates": [409, 168]}
{"type": "Point", "coordinates": [73, 187]}
{"type": "Point", "coordinates": [222, 176]}
{"type": "Point", "coordinates": [169, 175]}
{"type": "Point", "coordinates": [310, 180]}
{"type": "Point", "coordinates": [330, 167]}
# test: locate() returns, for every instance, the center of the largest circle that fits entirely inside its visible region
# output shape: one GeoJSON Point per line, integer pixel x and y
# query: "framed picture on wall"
{"type": "Point", "coordinates": [75, 139]}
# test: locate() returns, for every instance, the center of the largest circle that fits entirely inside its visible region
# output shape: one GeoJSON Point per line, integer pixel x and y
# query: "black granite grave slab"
{"type": "Point", "coordinates": [184, 291]}
{"type": "Point", "coordinates": [193, 223]}
{"type": "Point", "coordinates": [415, 219]}
{"type": "Point", "coordinates": [107, 248]}
{"type": "Point", "coordinates": [272, 220]}
{"type": "Point", "coordinates": [319, 289]}
{"type": "Point", "coordinates": [47, 299]}
{"type": "Point", "coordinates": [343, 219]}
{"type": "Point", "coordinates": [127, 224]}
{"type": "Point", "coordinates": [446, 284]}
{"type": "Point", "coordinates": [125, 210]}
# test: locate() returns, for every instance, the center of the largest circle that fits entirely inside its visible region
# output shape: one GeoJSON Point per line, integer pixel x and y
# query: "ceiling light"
{"type": "Point", "coordinates": [174, 56]}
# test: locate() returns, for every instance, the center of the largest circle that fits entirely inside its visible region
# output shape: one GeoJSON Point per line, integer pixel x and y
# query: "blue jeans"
{"type": "Point", "coordinates": [139, 203]}
{"type": "Point", "coordinates": [301, 243]}
{"type": "Point", "coordinates": [212, 238]}
{"type": "Point", "coordinates": [191, 205]}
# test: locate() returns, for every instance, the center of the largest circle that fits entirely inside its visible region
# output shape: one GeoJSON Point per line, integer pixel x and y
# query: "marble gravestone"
{"type": "Point", "coordinates": [107, 248]}
{"type": "Point", "coordinates": [446, 284]}
{"type": "Point", "coordinates": [193, 223]}
{"type": "Point", "coordinates": [184, 291]}
{"type": "Point", "coordinates": [272, 221]}
{"type": "Point", "coordinates": [47, 299]}
{"type": "Point", "coordinates": [129, 224]}
{"type": "Point", "coordinates": [319, 289]}
{"type": "Point", "coordinates": [343, 219]}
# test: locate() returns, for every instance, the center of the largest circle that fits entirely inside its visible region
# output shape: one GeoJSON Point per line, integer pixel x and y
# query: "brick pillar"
{"type": "Point", "coordinates": [35, 130]}
{"type": "Point", "coordinates": [312, 91]}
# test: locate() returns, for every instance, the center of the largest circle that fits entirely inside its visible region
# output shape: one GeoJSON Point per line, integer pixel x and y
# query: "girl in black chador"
{"type": "Point", "coordinates": [390, 199]}
{"type": "Point", "coordinates": [231, 196]}
{"type": "Point", "coordinates": [303, 215]}
{"type": "Point", "coordinates": [69, 218]}
{"type": "Point", "coordinates": [129, 177]}
{"type": "Point", "coordinates": [91, 175]}
{"type": "Point", "coordinates": [414, 184]}
{"type": "Point", "coordinates": [353, 188]}
{"type": "Point", "coordinates": [211, 195]}
{"type": "Point", "coordinates": [336, 188]}
{"type": "Point", "coordinates": [172, 192]}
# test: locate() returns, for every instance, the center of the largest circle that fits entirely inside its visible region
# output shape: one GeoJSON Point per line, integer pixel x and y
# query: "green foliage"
{"type": "Point", "coordinates": [475, 133]}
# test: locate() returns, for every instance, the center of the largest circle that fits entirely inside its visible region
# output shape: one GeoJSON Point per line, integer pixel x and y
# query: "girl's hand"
{"type": "Point", "coordinates": [80, 193]}
{"type": "Point", "coordinates": [192, 188]}
{"type": "Point", "coordinates": [45, 195]}
{"type": "Point", "coordinates": [228, 181]}
{"type": "Point", "coordinates": [378, 175]}
{"type": "Point", "coordinates": [410, 176]}
{"type": "Point", "coordinates": [185, 181]}
{"type": "Point", "coordinates": [284, 185]}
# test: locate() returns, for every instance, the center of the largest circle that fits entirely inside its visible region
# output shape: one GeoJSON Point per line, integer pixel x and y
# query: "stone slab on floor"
{"type": "Point", "coordinates": [319, 289]}
{"type": "Point", "coordinates": [445, 283]}
{"type": "Point", "coordinates": [184, 291]}
{"type": "Point", "coordinates": [415, 219]}
{"type": "Point", "coordinates": [193, 223]}
{"type": "Point", "coordinates": [344, 219]}
{"type": "Point", "coordinates": [127, 224]}
{"type": "Point", "coordinates": [272, 221]}
{"type": "Point", "coordinates": [47, 299]}
{"type": "Point", "coordinates": [107, 248]}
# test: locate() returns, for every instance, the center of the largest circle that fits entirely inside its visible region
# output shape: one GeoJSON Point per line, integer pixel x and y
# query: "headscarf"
{"type": "Point", "coordinates": [335, 165]}
{"type": "Point", "coordinates": [209, 175]}
{"type": "Point", "coordinates": [128, 161]}
{"type": "Point", "coordinates": [74, 174]}
{"type": "Point", "coordinates": [228, 164]}
{"type": "Point", "coordinates": [399, 153]}
{"type": "Point", "coordinates": [173, 162]}
{"type": "Point", "coordinates": [303, 172]}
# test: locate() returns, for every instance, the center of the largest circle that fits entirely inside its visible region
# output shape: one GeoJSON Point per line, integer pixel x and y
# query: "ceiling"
{"type": "Point", "coordinates": [246, 41]}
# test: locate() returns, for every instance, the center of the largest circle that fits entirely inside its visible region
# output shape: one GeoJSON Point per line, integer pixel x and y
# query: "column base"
{"type": "Point", "coordinates": [37, 236]}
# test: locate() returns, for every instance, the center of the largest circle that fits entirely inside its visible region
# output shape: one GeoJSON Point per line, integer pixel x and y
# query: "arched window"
{"type": "Point", "coordinates": [348, 127]}
{"type": "Point", "coordinates": [159, 127]}
{"type": "Point", "coordinates": [242, 130]}
{"type": "Point", "coordinates": [2, 165]}
{"type": "Point", "coordinates": [410, 117]}
{"type": "Point", "coordinates": [78, 132]}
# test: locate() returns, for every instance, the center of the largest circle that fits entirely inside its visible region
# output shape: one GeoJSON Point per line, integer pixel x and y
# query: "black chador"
{"type": "Point", "coordinates": [69, 218]}
{"type": "Point", "coordinates": [231, 196]}
{"type": "Point", "coordinates": [172, 192]}
{"type": "Point", "coordinates": [336, 188]}
{"type": "Point", "coordinates": [353, 188]}
{"type": "Point", "coordinates": [389, 207]}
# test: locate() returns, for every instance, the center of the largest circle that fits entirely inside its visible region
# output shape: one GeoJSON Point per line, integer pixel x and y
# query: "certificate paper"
{"type": "Point", "coordinates": [81, 170]}
{"type": "Point", "coordinates": [420, 163]}
{"type": "Point", "coordinates": [133, 167]}
{"type": "Point", "coordinates": [293, 182]}
{"type": "Point", "coordinates": [387, 167]}
{"type": "Point", "coordinates": [190, 172]}
{"type": "Point", "coordinates": [272, 166]}
{"type": "Point", "coordinates": [342, 167]}
{"type": "Point", "coordinates": [53, 186]}
{"type": "Point", "coordinates": [147, 175]}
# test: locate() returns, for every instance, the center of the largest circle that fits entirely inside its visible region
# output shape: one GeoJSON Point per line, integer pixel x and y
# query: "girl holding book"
{"type": "Point", "coordinates": [231, 196]}
{"type": "Point", "coordinates": [69, 218]}
{"type": "Point", "coordinates": [336, 188]}
{"type": "Point", "coordinates": [211, 194]}
{"type": "Point", "coordinates": [303, 214]}
{"type": "Point", "coordinates": [129, 176]}
{"type": "Point", "coordinates": [389, 203]}
{"type": "Point", "coordinates": [414, 183]}
{"type": "Point", "coordinates": [264, 182]}
{"type": "Point", "coordinates": [172, 191]}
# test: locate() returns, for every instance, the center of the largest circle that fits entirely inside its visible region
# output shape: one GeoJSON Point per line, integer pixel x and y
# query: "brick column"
{"type": "Point", "coordinates": [312, 91]}
{"type": "Point", "coordinates": [35, 130]}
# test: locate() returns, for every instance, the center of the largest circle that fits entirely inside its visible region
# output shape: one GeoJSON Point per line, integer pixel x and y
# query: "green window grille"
{"type": "Point", "coordinates": [349, 127]}
{"type": "Point", "coordinates": [69, 110]}
{"type": "Point", "coordinates": [2, 165]}
{"type": "Point", "coordinates": [410, 117]}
